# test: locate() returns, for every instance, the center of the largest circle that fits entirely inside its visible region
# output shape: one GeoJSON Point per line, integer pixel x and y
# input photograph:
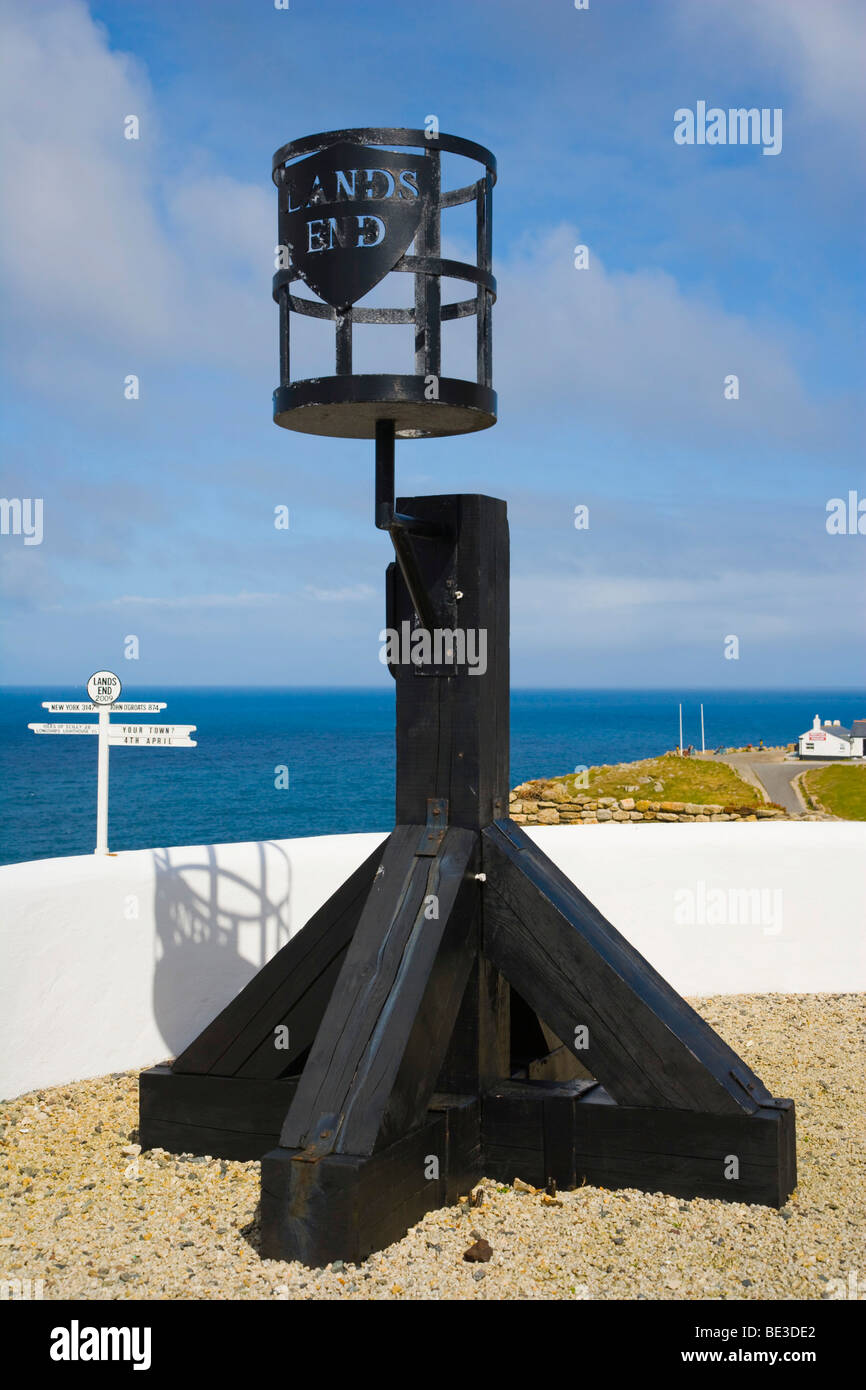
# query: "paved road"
{"type": "Point", "coordinates": [774, 775]}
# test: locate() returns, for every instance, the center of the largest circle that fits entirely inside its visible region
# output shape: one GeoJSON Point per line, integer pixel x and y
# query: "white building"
{"type": "Point", "coordinates": [831, 740]}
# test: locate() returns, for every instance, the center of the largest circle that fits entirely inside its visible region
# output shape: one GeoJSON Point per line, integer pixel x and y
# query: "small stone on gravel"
{"type": "Point", "coordinates": [480, 1251]}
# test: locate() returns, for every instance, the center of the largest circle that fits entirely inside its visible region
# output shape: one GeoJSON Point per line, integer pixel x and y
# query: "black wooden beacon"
{"type": "Point", "coordinates": [457, 1008]}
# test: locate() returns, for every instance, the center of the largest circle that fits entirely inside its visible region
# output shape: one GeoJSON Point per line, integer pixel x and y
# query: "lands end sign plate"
{"type": "Point", "coordinates": [349, 213]}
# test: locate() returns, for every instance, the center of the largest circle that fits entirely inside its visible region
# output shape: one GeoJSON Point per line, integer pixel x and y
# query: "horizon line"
{"type": "Point", "coordinates": [569, 689]}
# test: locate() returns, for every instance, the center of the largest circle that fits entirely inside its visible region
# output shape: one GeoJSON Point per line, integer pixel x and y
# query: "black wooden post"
{"type": "Point", "coordinates": [434, 1003]}
{"type": "Point", "coordinates": [453, 727]}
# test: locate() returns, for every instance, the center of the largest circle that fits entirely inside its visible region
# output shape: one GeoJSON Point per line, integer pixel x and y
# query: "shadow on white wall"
{"type": "Point", "coordinates": [215, 927]}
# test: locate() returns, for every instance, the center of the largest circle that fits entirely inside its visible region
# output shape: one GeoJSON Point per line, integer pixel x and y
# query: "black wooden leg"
{"type": "Point", "coordinates": [378, 1053]}
{"type": "Point", "coordinates": [677, 1110]}
{"type": "Point", "coordinates": [574, 1133]}
{"type": "Point", "coordinates": [344, 1206]}
{"type": "Point", "coordinates": [362, 1154]}
{"type": "Point", "coordinates": [228, 1092]}
{"type": "Point", "coordinates": [642, 1042]}
{"type": "Point", "coordinates": [479, 1048]}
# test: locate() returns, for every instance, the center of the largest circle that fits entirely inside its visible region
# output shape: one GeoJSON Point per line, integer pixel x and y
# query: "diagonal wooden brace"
{"type": "Point", "coordinates": [645, 1044]}
{"type": "Point", "coordinates": [378, 1052]}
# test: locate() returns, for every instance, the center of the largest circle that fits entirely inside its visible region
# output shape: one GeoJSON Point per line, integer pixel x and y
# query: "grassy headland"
{"type": "Point", "coordinates": [839, 789]}
{"type": "Point", "coordinates": [669, 778]}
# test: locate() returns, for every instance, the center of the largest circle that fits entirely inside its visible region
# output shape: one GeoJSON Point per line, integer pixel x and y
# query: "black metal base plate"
{"type": "Point", "coordinates": [348, 407]}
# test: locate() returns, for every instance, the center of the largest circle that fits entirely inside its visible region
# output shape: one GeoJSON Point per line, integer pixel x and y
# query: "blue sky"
{"type": "Point", "coordinates": [154, 257]}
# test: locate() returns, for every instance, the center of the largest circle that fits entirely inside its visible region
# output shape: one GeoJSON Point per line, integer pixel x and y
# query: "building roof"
{"type": "Point", "coordinates": [858, 728]}
{"type": "Point", "coordinates": [835, 729]}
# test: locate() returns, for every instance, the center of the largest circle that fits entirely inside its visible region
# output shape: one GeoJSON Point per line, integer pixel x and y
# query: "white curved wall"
{"type": "Point", "coordinates": [679, 898]}
{"type": "Point", "coordinates": [108, 963]}
{"type": "Point", "coordinates": [111, 962]}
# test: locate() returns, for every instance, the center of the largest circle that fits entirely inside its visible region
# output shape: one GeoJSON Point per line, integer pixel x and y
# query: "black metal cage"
{"type": "Point", "coordinates": [341, 239]}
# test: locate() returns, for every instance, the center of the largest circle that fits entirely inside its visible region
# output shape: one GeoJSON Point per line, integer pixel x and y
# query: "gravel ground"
{"type": "Point", "coordinates": [84, 1213]}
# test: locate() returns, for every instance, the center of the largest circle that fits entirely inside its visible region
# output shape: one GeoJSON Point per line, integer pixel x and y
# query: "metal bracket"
{"type": "Point", "coordinates": [505, 827]}
{"type": "Point", "coordinates": [433, 610]}
{"type": "Point", "coordinates": [748, 1086]}
{"type": "Point", "coordinates": [324, 1141]}
{"type": "Point", "coordinates": [437, 824]}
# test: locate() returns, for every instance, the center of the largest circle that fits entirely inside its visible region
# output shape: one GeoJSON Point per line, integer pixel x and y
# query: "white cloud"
{"type": "Point", "coordinates": [633, 347]}
{"type": "Point", "coordinates": [110, 257]}
{"type": "Point", "coordinates": [103, 250]}
{"type": "Point", "coordinates": [242, 600]}
{"type": "Point", "coordinates": [642, 610]}
{"type": "Point", "coordinates": [353, 593]}
{"type": "Point", "coordinates": [821, 46]}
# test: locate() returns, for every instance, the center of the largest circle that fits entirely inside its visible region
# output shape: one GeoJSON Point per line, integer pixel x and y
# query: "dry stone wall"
{"type": "Point", "coordinates": [552, 805]}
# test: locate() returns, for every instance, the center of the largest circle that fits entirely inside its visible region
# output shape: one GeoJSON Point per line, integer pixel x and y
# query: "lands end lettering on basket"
{"type": "Point", "coordinates": [347, 215]}
{"type": "Point", "coordinates": [352, 184]}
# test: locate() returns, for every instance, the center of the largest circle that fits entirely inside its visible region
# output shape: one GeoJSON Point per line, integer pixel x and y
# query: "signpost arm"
{"type": "Point", "coordinates": [102, 782]}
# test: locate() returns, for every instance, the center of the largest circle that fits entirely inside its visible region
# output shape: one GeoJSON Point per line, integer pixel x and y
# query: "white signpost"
{"type": "Point", "coordinates": [86, 707]}
{"type": "Point", "coordinates": [104, 688]}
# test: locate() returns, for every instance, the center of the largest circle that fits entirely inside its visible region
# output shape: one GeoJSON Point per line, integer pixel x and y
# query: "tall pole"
{"type": "Point", "coordinates": [102, 782]}
{"type": "Point", "coordinates": [681, 730]}
{"type": "Point", "coordinates": [703, 745]}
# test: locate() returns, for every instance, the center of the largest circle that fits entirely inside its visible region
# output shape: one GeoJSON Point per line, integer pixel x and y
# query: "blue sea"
{"type": "Point", "coordinates": [338, 747]}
